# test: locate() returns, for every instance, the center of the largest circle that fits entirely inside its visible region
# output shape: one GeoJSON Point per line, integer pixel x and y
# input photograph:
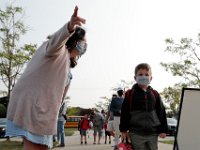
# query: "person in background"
{"type": "Point", "coordinates": [110, 119]}
{"type": "Point", "coordinates": [103, 113]}
{"type": "Point", "coordinates": [37, 96]}
{"type": "Point", "coordinates": [91, 115]}
{"type": "Point", "coordinates": [62, 118]}
{"type": "Point", "coordinates": [79, 124]}
{"type": "Point", "coordinates": [98, 121]}
{"type": "Point", "coordinates": [107, 133]}
{"type": "Point", "coordinates": [143, 113]}
{"type": "Point", "coordinates": [104, 116]}
{"type": "Point", "coordinates": [84, 126]}
{"type": "Point", "coordinates": [115, 108]}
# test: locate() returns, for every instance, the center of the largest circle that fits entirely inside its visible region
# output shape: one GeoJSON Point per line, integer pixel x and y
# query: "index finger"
{"type": "Point", "coordinates": [75, 11]}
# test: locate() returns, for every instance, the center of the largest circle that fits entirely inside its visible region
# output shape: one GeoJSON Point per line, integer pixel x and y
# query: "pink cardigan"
{"type": "Point", "coordinates": [36, 98]}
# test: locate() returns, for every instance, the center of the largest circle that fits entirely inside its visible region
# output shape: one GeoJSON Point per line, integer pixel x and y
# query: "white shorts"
{"type": "Point", "coordinates": [110, 126]}
{"type": "Point", "coordinates": [116, 124]}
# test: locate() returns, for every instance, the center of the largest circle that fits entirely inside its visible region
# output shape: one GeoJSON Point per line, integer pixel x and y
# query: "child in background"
{"type": "Point", "coordinates": [79, 125]}
{"type": "Point", "coordinates": [84, 126]}
{"type": "Point", "coordinates": [107, 133]}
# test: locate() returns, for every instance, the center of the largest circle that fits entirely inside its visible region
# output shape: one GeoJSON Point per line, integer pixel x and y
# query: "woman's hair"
{"type": "Point", "coordinates": [73, 62]}
{"type": "Point", "coordinates": [78, 35]}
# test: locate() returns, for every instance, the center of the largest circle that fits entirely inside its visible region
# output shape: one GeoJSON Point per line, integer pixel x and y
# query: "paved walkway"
{"type": "Point", "coordinates": [73, 143]}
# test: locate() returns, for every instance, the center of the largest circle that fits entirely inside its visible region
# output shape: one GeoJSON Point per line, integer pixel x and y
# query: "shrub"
{"type": "Point", "coordinates": [2, 111]}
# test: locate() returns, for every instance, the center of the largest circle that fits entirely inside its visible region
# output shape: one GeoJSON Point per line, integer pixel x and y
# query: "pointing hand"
{"type": "Point", "coordinates": [75, 20]}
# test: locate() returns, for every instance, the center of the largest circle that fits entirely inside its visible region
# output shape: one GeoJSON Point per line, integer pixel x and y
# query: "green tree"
{"type": "Point", "coordinates": [12, 56]}
{"type": "Point", "coordinates": [171, 96]}
{"type": "Point", "coordinates": [73, 111]}
{"type": "Point", "coordinates": [2, 111]}
{"type": "Point", "coordinates": [103, 104]}
{"type": "Point", "coordinates": [186, 67]}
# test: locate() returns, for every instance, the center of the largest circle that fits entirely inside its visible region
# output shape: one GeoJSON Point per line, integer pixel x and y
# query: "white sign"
{"type": "Point", "coordinates": [188, 129]}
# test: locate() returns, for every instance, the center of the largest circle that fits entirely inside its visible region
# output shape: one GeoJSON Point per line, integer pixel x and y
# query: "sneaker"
{"type": "Point", "coordinates": [81, 142]}
{"type": "Point", "coordinates": [115, 147]}
{"type": "Point", "coordinates": [85, 142]}
{"type": "Point", "coordinates": [109, 142]}
{"type": "Point", "coordinates": [62, 145]}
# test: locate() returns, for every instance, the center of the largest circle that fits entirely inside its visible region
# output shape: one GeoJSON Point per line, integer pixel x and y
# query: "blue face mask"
{"type": "Point", "coordinates": [143, 80]}
{"type": "Point", "coordinates": [81, 47]}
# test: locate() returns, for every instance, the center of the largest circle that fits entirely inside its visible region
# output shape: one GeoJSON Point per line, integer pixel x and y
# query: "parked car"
{"type": "Point", "coordinates": [172, 125]}
{"type": "Point", "coordinates": [2, 127]}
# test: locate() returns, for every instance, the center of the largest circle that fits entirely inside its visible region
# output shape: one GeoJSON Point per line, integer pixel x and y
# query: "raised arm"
{"type": "Point", "coordinates": [59, 38]}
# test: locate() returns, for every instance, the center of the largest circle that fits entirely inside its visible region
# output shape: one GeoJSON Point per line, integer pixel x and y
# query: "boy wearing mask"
{"type": "Point", "coordinates": [143, 113]}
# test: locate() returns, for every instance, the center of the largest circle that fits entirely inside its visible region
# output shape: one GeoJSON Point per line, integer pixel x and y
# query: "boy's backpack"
{"type": "Point", "coordinates": [130, 93]}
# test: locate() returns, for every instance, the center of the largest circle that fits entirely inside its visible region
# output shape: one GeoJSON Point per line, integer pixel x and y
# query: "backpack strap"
{"type": "Point", "coordinates": [155, 94]}
{"type": "Point", "coordinates": [130, 96]}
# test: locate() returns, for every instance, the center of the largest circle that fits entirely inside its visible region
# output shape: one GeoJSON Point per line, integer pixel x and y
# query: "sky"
{"type": "Point", "coordinates": [120, 35]}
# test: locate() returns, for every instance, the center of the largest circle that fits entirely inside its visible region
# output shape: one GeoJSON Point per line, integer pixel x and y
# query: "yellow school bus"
{"type": "Point", "coordinates": [72, 121]}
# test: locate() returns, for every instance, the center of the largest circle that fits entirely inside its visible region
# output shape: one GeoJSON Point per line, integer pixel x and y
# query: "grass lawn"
{"type": "Point", "coordinates": [17, 145]}
{"type": "Point", "coordinates": [11, 145]}
{"type": "Point", "coordinates": [70, 131]}
{"type": "Point", "coordinates": [167, 142]}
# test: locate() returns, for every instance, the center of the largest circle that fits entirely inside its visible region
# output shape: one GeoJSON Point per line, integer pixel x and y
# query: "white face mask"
{"type": "Point", "coordinates": [81, 47]}
{"type": "Point", "coordinates": [143, 80]}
